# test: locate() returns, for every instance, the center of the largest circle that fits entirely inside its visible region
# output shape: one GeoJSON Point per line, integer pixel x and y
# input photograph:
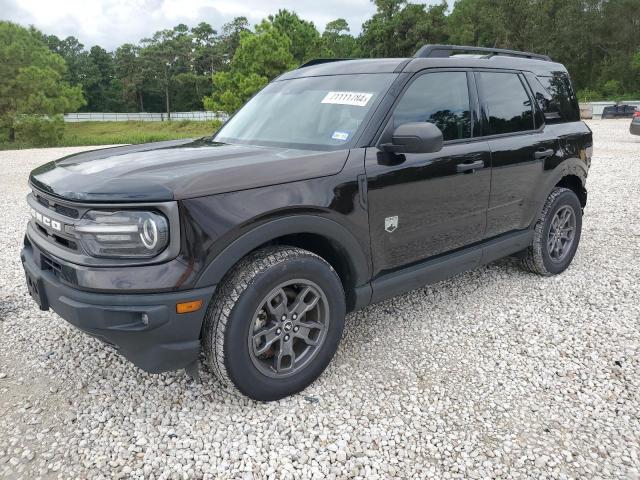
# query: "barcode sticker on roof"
{"type": "Point", "coordinates": [357, 99]}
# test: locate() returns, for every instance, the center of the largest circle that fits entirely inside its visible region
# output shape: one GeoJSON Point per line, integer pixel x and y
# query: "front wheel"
{"type": "Point", "coordinates": [556, 234]}
{"type": "Point", "coordinates": [275, 323]}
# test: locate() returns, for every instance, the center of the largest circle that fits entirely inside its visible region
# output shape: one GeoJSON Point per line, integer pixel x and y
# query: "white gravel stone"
{"type": "Point", "coordinates": [495, 373]}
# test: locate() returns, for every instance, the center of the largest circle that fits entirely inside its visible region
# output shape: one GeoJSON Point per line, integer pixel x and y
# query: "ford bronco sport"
{"type": "Point", "coordinates": [340, 184]}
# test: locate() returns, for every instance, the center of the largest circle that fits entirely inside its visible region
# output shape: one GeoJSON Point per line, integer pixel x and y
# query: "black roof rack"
{"type": "Point", "coordinates": [317, 61]}
{"type": "Point", "coordinates": [445, 51]}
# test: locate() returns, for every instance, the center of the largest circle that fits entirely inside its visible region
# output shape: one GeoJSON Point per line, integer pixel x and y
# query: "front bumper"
{"type": "Point", "coordinates": [163, 340]}
{"type": "Point", "coordinates": [634, 128]}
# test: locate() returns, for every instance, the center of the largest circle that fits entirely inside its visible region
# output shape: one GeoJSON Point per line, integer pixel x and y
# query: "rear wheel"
{"type": "Point", "coordinates": [556, 234]}
{"type": "Point", "coordinates": [275, 323]}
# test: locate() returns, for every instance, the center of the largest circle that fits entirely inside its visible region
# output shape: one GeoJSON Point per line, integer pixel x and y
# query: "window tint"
{"type": "Point", "coordinates": [506, 102]}
{"type": "Point", "coordinates": [439, 98]}
{"type": "Point", "coordinates": [547, 106]}
{"type": "Point", "coordinates": [559, 86]}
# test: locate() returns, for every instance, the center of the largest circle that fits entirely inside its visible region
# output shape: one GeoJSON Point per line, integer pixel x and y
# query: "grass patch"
{"type": "Point", "coordinates": [109, 133]}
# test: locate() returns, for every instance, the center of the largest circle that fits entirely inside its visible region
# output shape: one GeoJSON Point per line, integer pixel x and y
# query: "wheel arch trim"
{"type": "Point", "coordinates": [569, 167]}
{"type": "Point", "coordinates": [331, 230]}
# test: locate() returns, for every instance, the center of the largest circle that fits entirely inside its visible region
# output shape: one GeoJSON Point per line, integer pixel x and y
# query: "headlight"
{"type": "Point", "coordinates": [123, 234]}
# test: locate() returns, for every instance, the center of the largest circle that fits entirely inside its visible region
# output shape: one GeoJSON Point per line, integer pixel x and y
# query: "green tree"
{"type": "Point", "coordinates": [206, 52]}
{"type": "Point", "coordinates": [594, 39]}
{"type": "Point", "coordinates": [398, 28]}
{"type": "Point", "coordinates": [229, 40]}
{"type": "Point", "coordinates": [101, 93]}
{"type": "Point", "coordinates": [306, 42]}
{"type": "Point", "coordinates": [31, 79]}
{"type": "Point", "coordinates": [260, 57]}
{"type": "Point", "coordinates": [337, 40]}
{"type": "Point", "coordinates": [128, 69]}
{"type": "Point", "coordinates": [71, 50]}
{"type": "Point", "coordinates": [164, 56]}
{"type": "Point", "coordinates": [267, 52]}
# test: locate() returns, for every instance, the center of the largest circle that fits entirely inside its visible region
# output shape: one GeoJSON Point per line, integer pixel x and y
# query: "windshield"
{"type": "Point", "coordinates": [323, 113]}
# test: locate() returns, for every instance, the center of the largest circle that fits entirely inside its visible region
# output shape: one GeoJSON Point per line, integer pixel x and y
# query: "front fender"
{"type": "Point", "coordinates": [337, 234]}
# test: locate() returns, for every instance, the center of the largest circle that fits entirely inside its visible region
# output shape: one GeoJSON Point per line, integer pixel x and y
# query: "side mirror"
{"type": "Point", "coordinates": [415, 137]}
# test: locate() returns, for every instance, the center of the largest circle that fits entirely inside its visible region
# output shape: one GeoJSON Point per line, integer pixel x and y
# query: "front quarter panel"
{"type": "Point", "coordinates": [331, 205]}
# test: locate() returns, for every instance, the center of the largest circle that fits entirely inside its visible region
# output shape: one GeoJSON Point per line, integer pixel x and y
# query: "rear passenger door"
{"type": "Point", "coordinates": [519, 148]}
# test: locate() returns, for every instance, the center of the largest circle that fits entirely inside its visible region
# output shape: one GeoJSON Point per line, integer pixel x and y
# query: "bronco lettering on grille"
{"type": "Point", "coordinates": [46, 221]}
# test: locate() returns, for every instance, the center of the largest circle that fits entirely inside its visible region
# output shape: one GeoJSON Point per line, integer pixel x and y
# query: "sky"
{"type": "Point", "coordinates": [110, 23]}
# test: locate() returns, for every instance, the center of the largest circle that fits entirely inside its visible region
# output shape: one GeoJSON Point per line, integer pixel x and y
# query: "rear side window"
{"type": "Point", "coordinates": [506, 103]}
{"type": "Point", "coordinates": [547, 106]}
{"type": "Point", "coordinates": [440, 98]}
{"type": "Point", "coordinates": [559, 87]}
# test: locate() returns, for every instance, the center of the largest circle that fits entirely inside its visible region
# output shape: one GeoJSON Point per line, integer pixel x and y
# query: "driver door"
{"type": "Point", "coordinates": [424, 205]}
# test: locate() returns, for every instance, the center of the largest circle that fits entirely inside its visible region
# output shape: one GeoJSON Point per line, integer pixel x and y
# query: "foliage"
{"type": "Point", "coordinates": [635, 62]}
{"type": "Point", "coordinates": [128, 69]}
{"type": "Point", "coordinates": [259, 58]}
{"type": "Point", "coordinates": [305, 41]}
{"type": "Point", "coordinates": [337, 40]}
{"type": "Point", "coordinates": [595, 39]}
{"type": "Point", "coordinates": [399, 28]}
{"type": "Point", "coordinates": [267, 52]}
{"type": "Point", "coordinates": [31, 81]}
{"type": "Point", "coordinates": [588, 95]}
{"type": "Point", "coordinates": [39, 130]}
{"type": "Point", "coordinates": [188, 68]}
{"type": "Point", "coordinates": [232, 89]}
{"type": "Point", "coordinates": [111, 133]}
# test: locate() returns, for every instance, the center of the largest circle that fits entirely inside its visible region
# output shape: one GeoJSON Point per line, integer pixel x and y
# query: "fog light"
{"type": "Point", "coordinates": [187, 307]}
{"type": "Point", "coordinates": [145, 319]}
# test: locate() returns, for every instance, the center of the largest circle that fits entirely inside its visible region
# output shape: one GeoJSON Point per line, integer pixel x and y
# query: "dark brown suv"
{"type": "Point", "coordinates": [340, 184]}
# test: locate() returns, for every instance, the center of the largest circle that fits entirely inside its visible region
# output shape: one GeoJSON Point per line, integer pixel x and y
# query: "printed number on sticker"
{"type": "Point", "coordinates": [358, 99]}
{"type": "Point", "coordinates": [340, 135]}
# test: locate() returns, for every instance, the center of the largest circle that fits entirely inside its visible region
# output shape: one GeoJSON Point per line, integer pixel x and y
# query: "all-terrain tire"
{"type": "Point", "coordinates": [229, 318]}
{"type": "Point", "coordinates": [537, 257]}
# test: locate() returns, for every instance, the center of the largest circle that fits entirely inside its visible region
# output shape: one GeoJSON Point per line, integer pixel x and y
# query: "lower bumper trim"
{"type": "Point", "coordinates": [144, 328]}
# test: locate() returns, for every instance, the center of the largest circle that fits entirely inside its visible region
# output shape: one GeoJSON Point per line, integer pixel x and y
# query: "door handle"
{"type": "Point", "coordinates": [469, 167]}
{"type": "Point", "coordinates": [542, 154]}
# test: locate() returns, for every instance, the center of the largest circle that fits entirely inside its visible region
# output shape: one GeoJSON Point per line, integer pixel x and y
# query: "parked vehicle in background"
{"type": "Point", "coordinates": [340, 184]}
{"type": "Point", "coordinates": [634, 128]}
{"type": "Point", "coordinates": [618, 111]}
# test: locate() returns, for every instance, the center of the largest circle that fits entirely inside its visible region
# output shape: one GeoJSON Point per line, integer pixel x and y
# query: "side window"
{"type": "Point", "coordinates": [506, 102]}
{"type": "Point", "coordinates": [559, 86]}
{"type": "Point", "coordinates": [546, 103]}
{"type": "Point", "coordinates": [440, 98]}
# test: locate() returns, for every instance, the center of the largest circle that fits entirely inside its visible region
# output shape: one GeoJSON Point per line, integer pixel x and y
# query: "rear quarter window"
{"type": "Point", "coordinates": [558, 86]}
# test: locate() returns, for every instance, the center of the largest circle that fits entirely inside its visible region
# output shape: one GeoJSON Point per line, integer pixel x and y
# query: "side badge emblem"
{"type": "Point", "coordinates": [391, 223]}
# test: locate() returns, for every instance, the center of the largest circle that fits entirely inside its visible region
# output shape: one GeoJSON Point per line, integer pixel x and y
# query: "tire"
{"type": "Point", "coordinates": [544, 256]}
{"type": "Point", "coordinates": [253, 298]}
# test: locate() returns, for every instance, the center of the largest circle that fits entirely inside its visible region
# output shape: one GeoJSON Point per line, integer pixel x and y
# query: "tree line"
{"type": "Point", "coordinates": [190, 68]}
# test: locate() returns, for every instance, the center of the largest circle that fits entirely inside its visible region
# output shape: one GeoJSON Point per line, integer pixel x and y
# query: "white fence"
{"type": "Point", "coordinates": [144, 116]}
{"type": "Point", "coordinates": [594, 109]}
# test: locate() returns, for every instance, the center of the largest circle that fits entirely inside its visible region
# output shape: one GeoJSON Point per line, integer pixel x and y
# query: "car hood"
{"type": "Point", "coordinates": [178, 169]}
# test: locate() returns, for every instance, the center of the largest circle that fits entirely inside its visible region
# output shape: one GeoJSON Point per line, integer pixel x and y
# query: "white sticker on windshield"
{"type": "Point", "coordinates": [358, 99]}
{"type": "Point", "coordinates": [338, 135]}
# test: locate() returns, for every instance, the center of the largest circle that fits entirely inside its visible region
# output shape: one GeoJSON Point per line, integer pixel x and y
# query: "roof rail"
{"type": "Point", "coordinates": [445, 51]}
{"type": "Point", "coordinates": [317, 61]}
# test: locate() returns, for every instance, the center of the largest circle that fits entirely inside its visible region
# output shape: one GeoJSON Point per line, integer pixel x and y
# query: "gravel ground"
{"type": "Point", "coordinates": [494, 373]}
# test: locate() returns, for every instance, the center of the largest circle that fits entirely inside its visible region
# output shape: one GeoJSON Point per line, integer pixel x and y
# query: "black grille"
{"type": "Point", "coordinates": [42, 201]}
{"type": "Point", "coordinates": [48, 263]}
{"type": "Point", "coordinates": [61, 209]}
{"type": "Point", "coordinates": [65, 242]}
{"type": "Point", "coordinates": [66, 211]}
